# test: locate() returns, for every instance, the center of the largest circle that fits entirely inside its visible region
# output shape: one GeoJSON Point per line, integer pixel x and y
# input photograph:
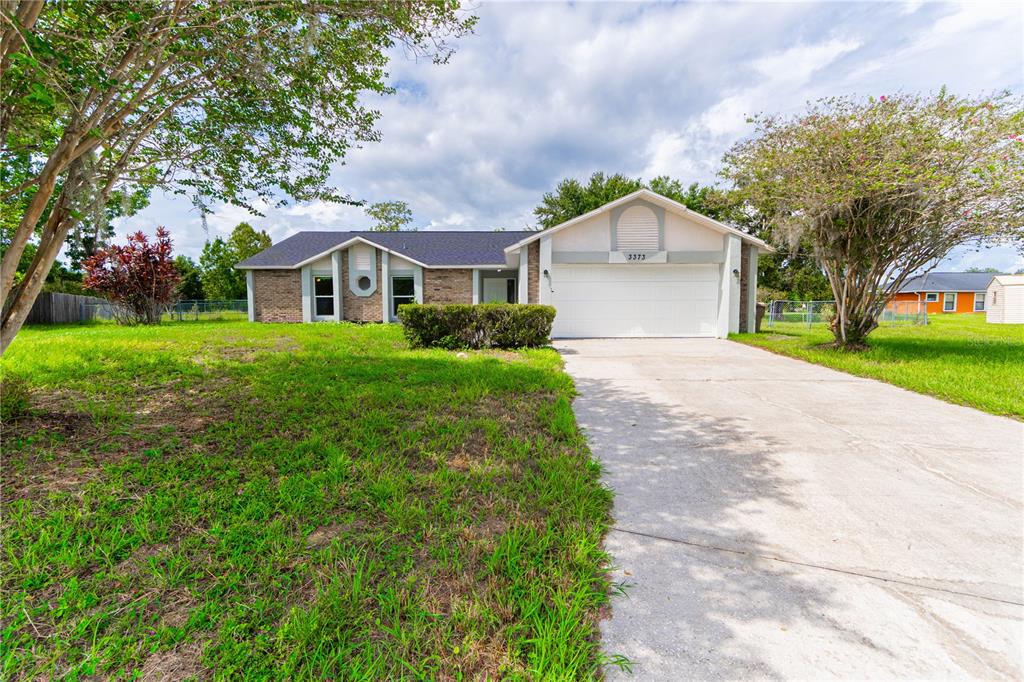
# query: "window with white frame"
{"type": "Point", "coordinates": [403, 290]}
{"type": "Point", "coordinates": [979, 302]}
{"type": "Point", "coordinates": [949, 302]}
{"type": "Point", "coordinates": [931, 298]}
{"type": "Point", "coordinates": [323, 295]}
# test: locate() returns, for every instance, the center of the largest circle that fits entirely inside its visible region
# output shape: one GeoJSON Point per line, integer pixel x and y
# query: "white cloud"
{"type": "Point", "coordinates": [545, 91]}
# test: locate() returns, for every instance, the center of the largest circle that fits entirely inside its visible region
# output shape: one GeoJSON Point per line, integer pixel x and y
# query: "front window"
{"type": "Point", "coordinates": [979, 302]}
{"type": "Point", "coordinates": [931, 298]}
{"type": "Point", "coordinates": [949, 303]}
{"type": "Point", "coordinates": [403, 290]}
{"type": "Point", "coordinates": [323, 295]}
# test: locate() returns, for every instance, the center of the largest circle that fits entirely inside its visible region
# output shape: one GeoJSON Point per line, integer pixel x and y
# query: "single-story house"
{"type": "Point", "coordinates": [947, 292]}
{"type": "Point", "coordinates": [1005, 300]}
{"type": "Point", "coordinates": [642, 265]}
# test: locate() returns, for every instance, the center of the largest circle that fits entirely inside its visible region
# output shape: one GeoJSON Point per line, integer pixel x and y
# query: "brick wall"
{"type": "Point", "coordinates": [278, 295]}
{"type": "Point", "coordinates": [360, 308]}
{"type": "Point", "coordinates": [745, 292]}
{"type": "Point", "coordinates": [447, 285]}
{"type": "Point", "coordinates": [533, 273]}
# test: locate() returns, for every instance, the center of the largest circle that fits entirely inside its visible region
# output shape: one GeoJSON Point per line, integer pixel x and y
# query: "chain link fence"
{"type": "Point", "coordinates": [782, 315]}
{"type": "Point", "coordinates": [180, 311]}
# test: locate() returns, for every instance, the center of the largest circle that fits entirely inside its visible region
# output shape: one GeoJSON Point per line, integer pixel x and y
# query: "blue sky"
{"type": "Point", "coordinates": [542, 91]}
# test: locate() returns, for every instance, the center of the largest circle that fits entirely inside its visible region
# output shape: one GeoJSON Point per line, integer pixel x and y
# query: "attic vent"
{"type": "Point", "coordinates": [362, 254]}
{"type": "Point", "coordinates": [637, 230]}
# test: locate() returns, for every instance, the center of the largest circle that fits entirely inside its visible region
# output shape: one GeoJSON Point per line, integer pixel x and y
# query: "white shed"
{"type": "Point", "coordinates": [1005, 300]}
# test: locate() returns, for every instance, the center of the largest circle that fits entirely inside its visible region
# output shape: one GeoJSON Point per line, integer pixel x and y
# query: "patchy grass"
{"type": "Point", "coordinates": [959, 358]}
{"type": "Point", "coordinates": [216, 500]}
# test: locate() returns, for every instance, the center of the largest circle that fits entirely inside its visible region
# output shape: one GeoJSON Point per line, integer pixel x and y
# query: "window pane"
{"type": "Point", "coordinates": [949, 302]}
{"type": "Point", "coordinates": [979, 302]}
{"type": "Point", "coordinates": [324, 306]}
{"type": "Point", "coordinates": [400, 300]}
{"type": "Point", "coordinates": [510, 291]}
{"type": "Point", "coordinates": [402, 286]}
{"type": "Point", "coordinates": [323, 286]}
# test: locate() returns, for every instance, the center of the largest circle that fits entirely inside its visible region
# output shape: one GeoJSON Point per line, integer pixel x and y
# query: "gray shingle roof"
{"type": "Point", "coordinates": [948, 281]}
{"type": "Point", "coordinates": [428, 247]}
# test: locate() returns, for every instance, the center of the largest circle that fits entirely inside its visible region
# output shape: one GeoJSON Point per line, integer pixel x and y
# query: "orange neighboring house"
{"type": "Point", "coordinates": [947, 292]}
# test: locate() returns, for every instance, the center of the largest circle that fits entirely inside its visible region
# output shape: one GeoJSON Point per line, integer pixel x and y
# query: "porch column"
{"type": "Point", "coordinates": [544, 284]}
{"type": "Point", "coordinates": [729, 295]}
{"type": "Point", "coordinates": [250, 293]}
{"type": "Point", "coordinates": [336, 279]}
{"type": "Point", "coordinates": [385, 288]}
{"type": "Point", "coordinates": [307, 293]}
{"type": "Point", "coordinates": [751, 311]}
{"type": "Point", "coordinates": [476, 285]}
{"type": "Point", "coordinates": [524, 274]}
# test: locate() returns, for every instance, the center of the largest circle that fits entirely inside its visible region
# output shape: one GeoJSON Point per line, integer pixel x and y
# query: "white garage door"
{"type": "Point", "coordinates": [634, 300]}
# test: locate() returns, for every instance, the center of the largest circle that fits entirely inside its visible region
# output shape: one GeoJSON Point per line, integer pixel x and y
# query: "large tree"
{"type": "Point", "coordinates": [882, 188]}
{"type": "Point", "coordinates": [227, 100]}
{"type": "Point", "coordinates": [389, 216]}
{"type": "Point", "coordinates": [219, 257]}
{"type": "Point", "coordinates": [572, 198]}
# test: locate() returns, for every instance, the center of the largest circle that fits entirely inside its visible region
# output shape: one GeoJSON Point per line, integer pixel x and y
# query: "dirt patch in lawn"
{"type": "Point", "coordinates": [60, 448]}
{"type": "Point", "coordinates": [179, 663]}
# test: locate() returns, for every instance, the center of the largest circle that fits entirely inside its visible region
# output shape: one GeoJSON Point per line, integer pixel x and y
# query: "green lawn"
{"type": "Point", "coordinates": [223, 500]}
{"type": "Point", "coordinates": [958, 358]}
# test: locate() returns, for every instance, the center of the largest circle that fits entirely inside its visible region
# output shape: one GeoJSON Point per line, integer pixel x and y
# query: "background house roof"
{"type": "Point", "coordinates": [432, 248]}
{"type": "Point", "coordinates": [948, 281]}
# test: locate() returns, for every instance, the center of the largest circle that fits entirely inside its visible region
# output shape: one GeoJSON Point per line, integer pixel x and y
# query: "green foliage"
{"type": "Point", "coordinates": [877, 189]}
{"type": "Point", "coordinates": [190, 285]}
{"type": "Point", "coordinates": [233, 102]}
{"type": "Point", "coordinates": [390, 216]}
{"type": "Point", "coordinates": [296, 502]}
{"type": "Point", "coordinates": [572, 198]}
{"type": "Point", "coordinates": [220, 279]}
{"type": "Point", "coordinates": [489, 325]}
{"type": "Point", "coordinates": [14, 397]}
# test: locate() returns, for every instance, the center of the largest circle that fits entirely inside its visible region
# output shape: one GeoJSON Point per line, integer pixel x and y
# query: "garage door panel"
{"type": "Point", "coordinates": [635, 300]}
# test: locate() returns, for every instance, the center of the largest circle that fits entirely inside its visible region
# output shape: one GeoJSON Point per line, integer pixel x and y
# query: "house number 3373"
{"type": "Point", "coordinates": [636, 256]}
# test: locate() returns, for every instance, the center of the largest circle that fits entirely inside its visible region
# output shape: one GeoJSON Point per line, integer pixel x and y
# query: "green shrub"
{"type": "Point", "coordinates": [13, 397]}
{"type": "Point", "coordinates": [489, 325]}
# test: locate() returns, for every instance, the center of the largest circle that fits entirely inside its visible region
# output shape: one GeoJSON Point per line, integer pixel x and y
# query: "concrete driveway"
{"type": "Point", "coordinates": [776, 519]}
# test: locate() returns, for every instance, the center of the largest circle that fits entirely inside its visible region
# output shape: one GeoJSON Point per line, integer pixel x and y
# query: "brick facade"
{"type": "Point", "coordinates": [443, 285]}
{"type": "Point", "coordinates": [277, 295]}
{"type": "Point", "coordinates": [360, 308]}
{"type": "Point", "coordinates": [745, 292]}
{"type": "Point", "coordinates": [533, 273]}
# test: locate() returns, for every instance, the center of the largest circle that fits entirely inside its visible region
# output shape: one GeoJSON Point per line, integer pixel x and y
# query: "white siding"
{"type": "Point", "coordinates": [1004, 300]}
{"type": "Point", "coordinates": [682, 234]}
{"type": "Point", "coordinates": [590, 235]}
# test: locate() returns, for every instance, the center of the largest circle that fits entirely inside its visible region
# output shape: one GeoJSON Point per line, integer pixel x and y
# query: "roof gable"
{"type": "Point", "coordinates": [654, 197]}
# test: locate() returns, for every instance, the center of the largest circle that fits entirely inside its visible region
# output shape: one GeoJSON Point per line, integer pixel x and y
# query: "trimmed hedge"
{"type": "Point", "coordinates": [488, 325]}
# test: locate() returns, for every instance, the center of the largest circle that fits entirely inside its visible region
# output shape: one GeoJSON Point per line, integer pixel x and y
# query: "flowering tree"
{"type": "Point", "coordinates": [139, 278]}
{"type": "Point", "coordinates": [883, 188]}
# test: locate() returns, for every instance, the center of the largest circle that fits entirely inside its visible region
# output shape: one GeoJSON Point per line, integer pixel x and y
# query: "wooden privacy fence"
{"type": "Point", "coordinates": [55, 308]}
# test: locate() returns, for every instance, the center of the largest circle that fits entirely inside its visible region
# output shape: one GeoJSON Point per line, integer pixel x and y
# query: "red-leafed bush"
{"type": "Point", "coordinates": [138, 278]}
